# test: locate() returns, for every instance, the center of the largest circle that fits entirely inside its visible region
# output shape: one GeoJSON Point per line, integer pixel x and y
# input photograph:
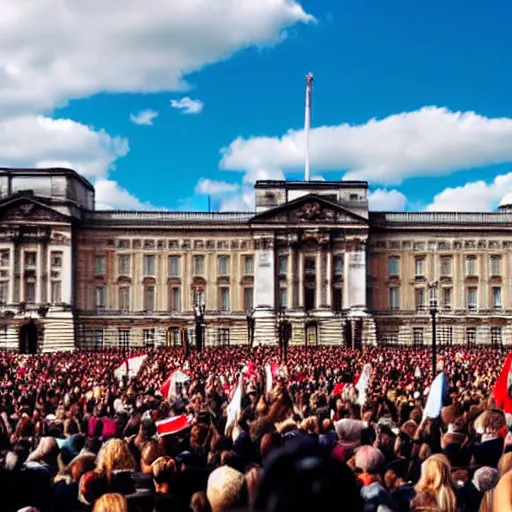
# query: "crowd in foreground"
{"type": "Point", "coordinates": [73, 437]}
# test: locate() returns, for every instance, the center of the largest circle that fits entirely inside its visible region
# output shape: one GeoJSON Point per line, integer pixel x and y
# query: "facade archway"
{"type": "Point", "coordinates": [28, 342]}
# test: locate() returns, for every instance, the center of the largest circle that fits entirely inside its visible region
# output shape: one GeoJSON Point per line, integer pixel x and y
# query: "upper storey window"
{"type": "Point", "coordinates": [394, 266]}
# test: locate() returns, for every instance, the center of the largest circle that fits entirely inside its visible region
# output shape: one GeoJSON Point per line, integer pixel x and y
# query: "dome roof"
{"type": "Point", "coordinates": [506, 201]}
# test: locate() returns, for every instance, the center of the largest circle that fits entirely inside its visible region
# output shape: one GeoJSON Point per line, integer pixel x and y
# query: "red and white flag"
{"type": "Point", "coordinates": [169, 388]}
{"type": "Point", "coordinates": [130, 367]}
{"type": "Point", "coordinates": [271, 371]}
{"type": "Point", "coordinates": [173, 425]}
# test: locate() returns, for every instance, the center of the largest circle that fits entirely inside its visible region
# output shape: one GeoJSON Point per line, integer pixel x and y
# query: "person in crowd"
{"type": "Point", "coordinates": [244, 431]}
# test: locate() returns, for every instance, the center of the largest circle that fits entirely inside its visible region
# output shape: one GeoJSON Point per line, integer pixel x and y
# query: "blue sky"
{"type": "Point", "coordinates": [413, 96]}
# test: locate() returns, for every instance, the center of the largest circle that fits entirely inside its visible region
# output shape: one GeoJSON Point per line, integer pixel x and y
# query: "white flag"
{"type": "Point", "coordinates": [234, 409]}
{"type": "Point", "coordinates": [130, 367]}
{"type": "Point", "coordinates": [268, 378]}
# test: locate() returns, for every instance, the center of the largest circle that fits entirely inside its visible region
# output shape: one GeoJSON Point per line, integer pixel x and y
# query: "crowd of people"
{"type": "Point", "coordinates": [76, 437]}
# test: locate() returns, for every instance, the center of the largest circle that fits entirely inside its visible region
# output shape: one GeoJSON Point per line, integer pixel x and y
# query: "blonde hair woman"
{"type": "Point", "coordinates": [164, 471]}
{"type": "Point", "coordinates": [115, 456]}
{"type": "Point", "coordinates": [436, 479]}
{"type": "Point", "coordinates": [111, 503]}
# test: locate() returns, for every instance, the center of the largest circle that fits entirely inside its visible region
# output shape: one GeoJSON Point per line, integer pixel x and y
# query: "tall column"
{"type": "Point", "coordinates": [357, 276]}
{"type": "Point", "coordinates": [39, 274]}
{"type": "Point", "coordinates": [301, 279]}
{"type": "Point", "coordinates": [12, 281]}
{"type": "Point", "coordinates": [264, 275]}
{"type": "Point", "coordinates": [318, 276]}
{"type": "Point", "coordinates": [328, 275]}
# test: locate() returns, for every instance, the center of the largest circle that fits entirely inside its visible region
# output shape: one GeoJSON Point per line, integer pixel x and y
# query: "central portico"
{"type": "Point", "coordinates": [310, 261]}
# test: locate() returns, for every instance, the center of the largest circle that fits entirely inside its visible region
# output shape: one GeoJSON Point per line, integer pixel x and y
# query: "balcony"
{"type": "Point", "coordinates": [440, 218]}
{"type": "Point", "coordinates": [120, 217]}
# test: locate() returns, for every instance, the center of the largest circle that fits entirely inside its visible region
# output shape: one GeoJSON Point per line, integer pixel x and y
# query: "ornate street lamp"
{"type": "Point", "coordinates": [199, 317]}
{"type": "Point", "coordinates": [284, 332]}
{"type": "Point", "coordinates": [433, 315]}
{"type": "Point", "coordinates": [250, 329]}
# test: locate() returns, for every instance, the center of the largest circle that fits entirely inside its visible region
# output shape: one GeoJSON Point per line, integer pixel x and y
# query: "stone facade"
{"type": "Point", "coordinates": [312, 253]}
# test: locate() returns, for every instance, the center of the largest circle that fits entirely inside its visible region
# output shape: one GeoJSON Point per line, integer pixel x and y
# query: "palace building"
{"type": "Point", "coordinates": [311, 253]}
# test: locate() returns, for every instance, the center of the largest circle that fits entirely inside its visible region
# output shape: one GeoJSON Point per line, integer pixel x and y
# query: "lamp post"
{"type": "Point", "coordinates": [199, 317]}
{"type": "Point", "coordinates": [250, 329]}
{"type": "Point", "coordinates": [284, 331]}
{"type": "Point", "coordinates": [433, 316]}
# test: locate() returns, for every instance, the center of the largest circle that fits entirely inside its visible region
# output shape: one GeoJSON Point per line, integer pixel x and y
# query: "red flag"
{"type": "Point", "coordinates": [500, 390]}
{"type": "Point", "coordinates": [173, 425]}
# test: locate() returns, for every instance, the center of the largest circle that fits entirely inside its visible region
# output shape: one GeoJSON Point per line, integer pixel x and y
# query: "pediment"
{"type": "Point", "coordinates": [310, 209]}
{"type": "Point", "coordinates": [29, 209]}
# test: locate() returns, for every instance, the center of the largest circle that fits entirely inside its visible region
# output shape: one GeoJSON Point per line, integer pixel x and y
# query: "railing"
{"type": "Point", "coordinates": [442, 217]}
{"type": "Point", "coordinates": [170, 314]}
{"type": "Point", "coordinates": [122, 216]}
{"type": "Point", "coordinates": [424, 310]}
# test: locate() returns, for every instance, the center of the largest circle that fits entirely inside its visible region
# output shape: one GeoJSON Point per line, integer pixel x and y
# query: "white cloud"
{"type": "Point", "coordinates": [428, 142]}
{"type": "Point", "coordinates": [386, 200]}
{"type": "Point", "coordinates": [206, 186]}
{"type": "Point", "coordinates": [188, 105]}
{"type": "Point", "coordinates": [473, 196]}
{"type": "Point", "coordinates": [44, 142]}
{"type": "Point", "coordinates": [132, 46]}
{"type": "Point", "coordinates": [144, 117]}
{"type": "Point", "coordinates": [111, 196]}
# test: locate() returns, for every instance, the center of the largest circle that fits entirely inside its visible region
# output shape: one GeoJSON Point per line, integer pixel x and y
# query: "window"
{"type": "Point", "coordinates": [124, 264]}
{"type": "Point", "coordinates": [495, 263]}
{"type": "Point", "coordinates": [446, 265]}
{"type": "Point", "coordinates": [30, 259]}
{"type": "Point", "coordinates": [97, 338]}
{"type": "Point", "coordinates": [56, 259]}
{"type": "Point", "coordinates": [4, 292]}
{"type": "Point", "coordinates": [224, 298]}
{"type": "Point", "coordinates": [470, 336]}
{"type": "Point", "coordinates": [283, 265]}
{"type": "Point", "coordinates": [123, 336]}
{"type": "Point", "coordinates": [417, 336]}
{"type": "Point", "coordinates": [248, 299]}
{"type": "Point", "coordinates": [472, 298]}
{"type": "Point", "coordinates": [471, 265]}
{"type": "Point", "coordinates": [445, 335]}
{"type": "Point", "coordinates": [30, 292]}
{"type": "Point", "coordinates": [198, 296]}
{"type": "Point", "coordinates": [174, 266]}
{"type": "Point", "coordinates": [496, 339]}
{"type": "Point", "coordinates": [4, 258]}
{"type": "Point", "coordinates": [100, 265]}
{"type": "Point", "coordinates": [223, 336]}
{"type": "Point", "coordinates": [447, 299]}
{"type": "Point", "coordinates": [283, 298]}
{"type": "Point", "coordinates": [223, 265]}
{"type": "Point", "coordinates": [337, 299]}
{"type": "Point", "coordinates": [100, 296]}
{"type": "Point", "coordinates": [149, 298]}
{"type": "Point", "coordinates": [56, 292]}
{"type": "Point", "coordinates": [419, 299]}
{"type": "Point", "coordinates": [175, 336]}
{"type": "Point", "coordinates": [249, 265]}
{"type": "Point", "coordinates": [148, 337]}
{"type": "Point", "coordinates": [394, 266]}
{"type": "Point", "coordinates": [337, 263]}
{"type": "Point", "coordinates": [394, 298]}
{"type": "Point", "coordinates": [149, 265]}
{"type": "Point", "coordinates": [419, 266]}
{"type": "Point", "coordinates": [198, 265]}
{"type": "Point", "coordinates": [175, 299]}
{"type": "Point", "coordinates": [124, 298]}
{"type": "Point", "coordinates": [496, 297]}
